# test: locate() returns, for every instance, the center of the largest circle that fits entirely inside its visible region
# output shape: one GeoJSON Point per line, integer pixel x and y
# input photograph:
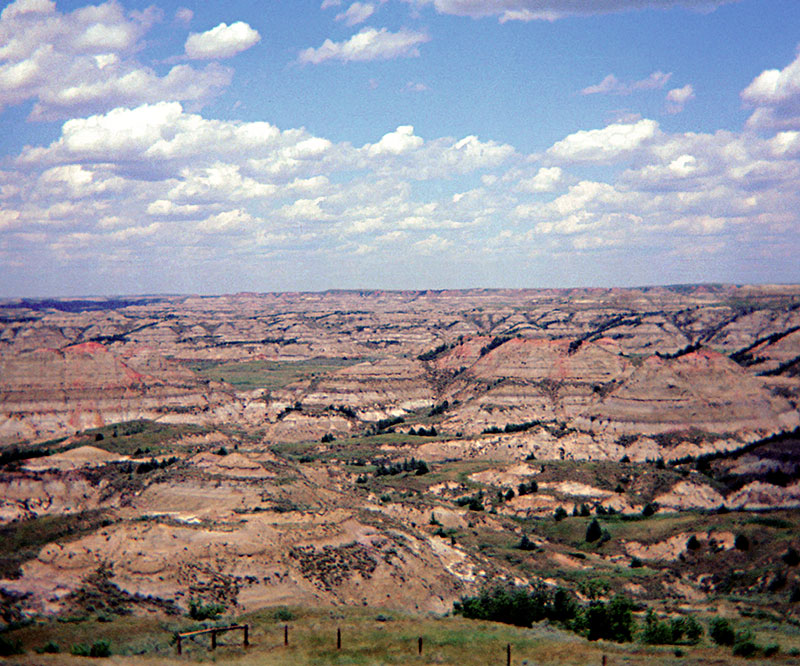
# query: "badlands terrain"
{"type": "Point", "coordinates": [401, 450]}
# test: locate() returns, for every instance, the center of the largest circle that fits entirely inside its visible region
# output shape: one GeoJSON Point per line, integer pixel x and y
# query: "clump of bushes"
{"type": "Point", "coordinates": [99, 649]}
{"type": "Point", "coordinates": [472, 502]}
{"type": "Point", "coordinates": [612, 620]}
{"type": "Point", "coordinates": [742, 641]}
{"type": "Point", "coordinates": [200, 611]}
{"type": "Point", "coordinates": [419, 467]}
{"type": "Point", "coordinates": [678, 630]}
{"type": "Point", "coordinates": [527, 488]}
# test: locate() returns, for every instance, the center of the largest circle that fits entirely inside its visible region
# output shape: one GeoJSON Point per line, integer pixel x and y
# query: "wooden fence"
{"type": "Point", "coordinates": [214, 631]}
{"type": "Point", "coordinates": [246, 639]}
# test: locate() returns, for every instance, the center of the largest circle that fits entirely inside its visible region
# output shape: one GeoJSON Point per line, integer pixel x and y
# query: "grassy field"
{"type": "Point", "coordinates": [268, 374]}
{"type": "Point", "coordinates": [368, 637]}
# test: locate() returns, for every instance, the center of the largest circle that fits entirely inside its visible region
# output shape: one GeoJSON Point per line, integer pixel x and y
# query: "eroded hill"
{"type": "Point", "coordinates": [400, 449]}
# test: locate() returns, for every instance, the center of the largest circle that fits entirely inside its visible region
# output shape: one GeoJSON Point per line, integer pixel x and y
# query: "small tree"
{"type": "Point", "coordinates": [593, 531]}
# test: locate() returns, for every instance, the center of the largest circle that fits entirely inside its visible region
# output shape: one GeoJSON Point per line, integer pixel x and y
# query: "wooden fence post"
{"type": "Point", "coordinates": [214, 640]}
{"type": "Point", "coordinates": [508, 654]}
{"type": "Point", "coordinates": [604, 660]}
{"type": "Point", "coordinates": [246, 635]}
{"type": "Point", "coordinates": [338, 638]}
{"type": "Point", "coordinates": [285, 635]}
{"type": "Point", "coordinates": [419, 646]}
{"type": "Point", "coordinates": [180, 648]}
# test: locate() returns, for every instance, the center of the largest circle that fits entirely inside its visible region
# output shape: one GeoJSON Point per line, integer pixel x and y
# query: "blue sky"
{"type": "Point", "coordinates": [213, 147]}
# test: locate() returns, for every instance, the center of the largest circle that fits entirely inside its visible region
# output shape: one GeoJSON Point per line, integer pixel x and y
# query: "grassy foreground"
{"type": "Point", "coordinates": [368, 637]}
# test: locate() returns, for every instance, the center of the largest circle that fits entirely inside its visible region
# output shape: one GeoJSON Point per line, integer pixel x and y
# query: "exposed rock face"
{"type": "Point", "coordinates": [211, 531]}
{"type": "Point", "coordinates": [608, 363]}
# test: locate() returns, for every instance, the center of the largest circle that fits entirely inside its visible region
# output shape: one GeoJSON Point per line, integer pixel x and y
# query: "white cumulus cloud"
{"type": "Point", "coordinates": [86, 61]}
{"type": "Point", "coordinates": [223, 41]}
{"type": "Point", "coordinates": [678, 97]}
{"type": "Point", "coordinates": [368, 44]}
{"type": "Point", "coordinates": [775, 94]}
{"type": "Point", "coordinates": [611, 142]}
{"type": "Point", "coordinates": [397, 142]}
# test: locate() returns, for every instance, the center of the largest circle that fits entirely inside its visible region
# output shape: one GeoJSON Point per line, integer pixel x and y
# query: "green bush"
{"type": "Point", "coordinates": [100, 648]}
{"type": "Point", "coordinates": [200, 611]}
{"type": "Point", "coordinates": [9, 646]}
{"type": "Point", "coordinates": [519, 606]}
{"type": "Point", "coordinates": [51, 647]}
{"type": "Point", "coordinates": [611, 621]}
{"type": "Point", "coordinates": [677, 630]}
{"type": "Point", "coordinates": [721, 631]}
{"type": "Point", "coordinates": [745, 648]}
{"type": "Point", "coordinates": [284, 615]}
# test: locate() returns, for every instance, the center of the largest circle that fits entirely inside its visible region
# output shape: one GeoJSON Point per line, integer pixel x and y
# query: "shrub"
{"type": "Point", "coordinates": [526, 544]}
{"type": "Point", "coordinates": [51, 647]}
{"type": "Point", "coordinates": [593, 531]}
{"type": "Point", "coordinates": [746, 648]}
{"type": "Point", "coordinates": [741, 542]}
{"type": "Point", "coordinates": [636, 563]}
{"type": "Point", "coordinates": [690, 628]}
{"type": "Point", "coordinates": [560, 513]}
{"type": "Point", "coordinates": [693, 543]}
{"type": "Point", "coordinates": [80, 650]}
{"type": "Point", "coordinates": [612, 621]}
{"type": "Point", "coordinates": [649, 509]}
{"type": "Point", "coordinates": [200, 611]}
{"type": "Point", "coordinates": [771, 650]}
{"type": "Point", "coordinates": [656, 632]}
{"type": "Point", "coordinates": [9, 646]}
{"type": "Point", "coordinates": [519, 606]}
{"type": "Point", "coordinates": [791, 557]}
{"type": "Point", "coordinates": [721, 631]}
{"type": "Point", "coordinates": [101, 648]}
{"type": "Point", "coordinates": [283, 615]}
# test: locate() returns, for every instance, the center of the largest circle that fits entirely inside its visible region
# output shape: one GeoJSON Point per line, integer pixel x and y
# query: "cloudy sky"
{"type": "Point", "coordinates": [225, 146]}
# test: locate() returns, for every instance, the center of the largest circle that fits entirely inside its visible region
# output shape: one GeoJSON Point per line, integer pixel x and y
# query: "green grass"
{"type": "Point", "coordinates": [131, 436]}
{"type": "Point", "coordinates": [268, 374]}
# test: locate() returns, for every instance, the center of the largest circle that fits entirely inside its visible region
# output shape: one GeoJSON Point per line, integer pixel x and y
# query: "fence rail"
{"type": "Point", "coordinates": [214, 631]}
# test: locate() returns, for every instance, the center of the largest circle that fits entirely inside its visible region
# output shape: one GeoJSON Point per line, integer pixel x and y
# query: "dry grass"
{"type": "Point", "coordinates": [368, 638]}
